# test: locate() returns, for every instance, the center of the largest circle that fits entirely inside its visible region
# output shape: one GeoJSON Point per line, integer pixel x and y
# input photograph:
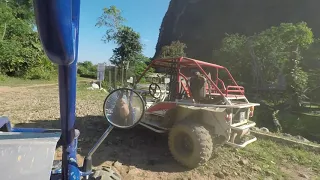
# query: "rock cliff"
{"type": "Point", "coordinates": [202, 24]}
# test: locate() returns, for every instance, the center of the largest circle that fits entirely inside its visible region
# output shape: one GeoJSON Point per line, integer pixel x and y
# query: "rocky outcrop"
{"type": "Point", "coordinates": [202, 24]}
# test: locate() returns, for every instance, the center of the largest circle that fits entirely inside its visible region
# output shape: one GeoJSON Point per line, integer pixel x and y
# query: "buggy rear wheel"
{"type": "Point", "coordinates": [190, 144]}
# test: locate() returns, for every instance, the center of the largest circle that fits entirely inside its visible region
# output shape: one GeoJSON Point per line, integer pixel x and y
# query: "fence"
{"type": "Point", "coordinates": [116, 77]}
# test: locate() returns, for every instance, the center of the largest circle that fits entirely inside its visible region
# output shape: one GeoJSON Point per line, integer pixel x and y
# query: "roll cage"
{"type": "Point", "coordinates": [179, 70]}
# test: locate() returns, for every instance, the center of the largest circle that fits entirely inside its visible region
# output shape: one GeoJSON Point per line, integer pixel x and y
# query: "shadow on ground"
{"type": "Point", "coordinates": [137, 147]}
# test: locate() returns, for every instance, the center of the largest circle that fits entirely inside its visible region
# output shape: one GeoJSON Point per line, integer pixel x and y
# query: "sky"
{"type": "Point", "coordinates": [144, 16]}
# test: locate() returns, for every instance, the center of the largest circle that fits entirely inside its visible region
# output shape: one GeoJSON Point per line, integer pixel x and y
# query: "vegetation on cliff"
{"type": "Point", "coordinates": [275, 66]}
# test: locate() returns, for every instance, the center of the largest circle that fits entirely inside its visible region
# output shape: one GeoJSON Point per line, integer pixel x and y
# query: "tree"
{"type": "Point", "coordinates": [175, 49]}
{"type": "Point", "coordinates": [141, 64]}
{"type": "Point", "coordinates": [111, 19]}
{"type": "Point", "coordinates": [234, 54]}
{"type": "Point", "coordinates": [6, 16]}
{"type": "Point", "coordinates": [311, 65]}
{"type": "Point", "coordinates": [266, 59]}
{"type": "Point", "coordinates": [87, 69]}
{"type": "Point", "coordinates": [128, 46]}
{"type": "Point", "coordinates": [266, 55]}
{"type": "Point", "coordinates": [21, 54]}
{"type": "Point", "coordinates": [127, 40]}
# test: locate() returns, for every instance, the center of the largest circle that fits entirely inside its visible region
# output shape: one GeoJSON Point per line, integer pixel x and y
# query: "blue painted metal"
{"type": "Point", "coordinates": [34, 130]}
{"type": "Point", "coordinates": [67, 88]}
{"type": "Point", "coordinates": [5, 124]}
{"type": "Point", "coordinates": [58, 172]}
{"type": "Point", "coordinates": [58, 29]}
{"type": "Point", "coordinates": [58, 26]}
{"type": "Point", "coordinates": [73, 169]}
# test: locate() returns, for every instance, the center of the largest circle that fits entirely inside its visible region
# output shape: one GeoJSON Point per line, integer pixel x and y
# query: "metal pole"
{"type": "Point", "coordinates": [122, 74]}
{"type": "Point", "coordinates": [109, 83]}
{"type": "Point", "coordinates": [67, 91]}
{"type": "Point", "coordinates": [115, 77]}
{"type": "Point", "coordinates": [87, 162]}
{"type": "Point", "coordinates": [58, 26]}
{"type": "Point", "coordinates": [67, 94]}
{"type": "Point", "coordinates": [101, 139]}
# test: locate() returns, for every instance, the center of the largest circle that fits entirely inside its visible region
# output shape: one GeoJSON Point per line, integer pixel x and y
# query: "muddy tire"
{"type": "Point", "coordinates": [190, 144]}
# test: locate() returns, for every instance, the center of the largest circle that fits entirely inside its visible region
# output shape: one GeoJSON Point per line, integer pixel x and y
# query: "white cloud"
{"type": "Point", "coordinates": [145, 40]}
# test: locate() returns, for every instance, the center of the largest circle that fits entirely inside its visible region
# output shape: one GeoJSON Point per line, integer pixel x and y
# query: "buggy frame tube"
{"type": "Point", "coordinates": [196, 64]}
{"type": "Point", "coordinates": [144, 72]}
{"type": "Point", "coordinates": [151, 65]}
{"type": "Point", "coordinates": [235, 83]}
{"type": "Point", "coordinates": [209, 79]}
{"type": "Point", "coordinates": [217, 76]}
{"type": "Point", "coordinates": [183, 76]}
{"type": "Point", "coordinates": [178, 76]}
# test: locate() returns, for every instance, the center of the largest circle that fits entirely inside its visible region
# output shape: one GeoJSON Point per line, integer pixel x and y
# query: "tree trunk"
{"type": "Point", "coordinates": [276, 121]}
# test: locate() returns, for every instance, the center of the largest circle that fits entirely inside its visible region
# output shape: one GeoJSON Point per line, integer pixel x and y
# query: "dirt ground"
{"type": "Point", "coordinates": [142, 154]}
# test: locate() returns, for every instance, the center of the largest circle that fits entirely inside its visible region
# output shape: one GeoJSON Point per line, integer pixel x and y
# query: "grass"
{"type": "Point", "coordinates": [262, 159]}
{"type": "Point", "coordinates": [84, 93]}
{"type": "Point", "coordinates": [269, 156]}
{"type": "Point", "coordinates": [16, 82]}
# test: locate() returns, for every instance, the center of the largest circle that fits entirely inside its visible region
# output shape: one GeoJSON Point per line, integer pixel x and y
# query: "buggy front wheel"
{"type": "Point", "coordinates": [190, 144]}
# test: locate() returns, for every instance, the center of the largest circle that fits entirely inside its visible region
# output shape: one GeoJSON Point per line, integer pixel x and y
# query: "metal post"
{"type": "Point", "coordinates": [125, 77]}
{"type": "Point", "coordinates": [87, 163]}
{"type": "Point", "coordinates": [67, 95]}
{"type": "Point", "coordinates": [115, 77]}
{"type": "Point", "coordinates": [109, 83]}
{"type": "Point", "coordinates": [58, 26]}
{"type": "Point", "coordinates": [122, 74]}
{"type": "Point", "coordinates": [101, 139]}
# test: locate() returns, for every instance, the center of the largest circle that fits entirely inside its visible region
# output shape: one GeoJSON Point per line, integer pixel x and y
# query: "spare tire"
{"type": "Point", "coordinates": [190, 144]}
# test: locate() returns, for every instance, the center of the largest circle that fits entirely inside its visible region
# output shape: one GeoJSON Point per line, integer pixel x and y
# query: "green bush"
{"type": "Point", "coordinates": [2, 77]}
{"type": "Point", "coordinates": [21, 53]}
{"type": "Point", "coordinates": [294, 123]}
{"type": "Point", "coordinates": [40, 73]}
{"type": "Point", "coordinates": [301, 124]}
{"type": "Point", "coordinates": [105, 85]}
{"type": "Point", "coordinates": [87, 70]}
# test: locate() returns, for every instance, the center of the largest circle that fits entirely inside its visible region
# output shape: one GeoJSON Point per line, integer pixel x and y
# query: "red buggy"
{"type": "Point", "coordinates": [219, 114]}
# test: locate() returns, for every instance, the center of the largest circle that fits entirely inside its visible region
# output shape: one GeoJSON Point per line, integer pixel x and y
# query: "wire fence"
{"type": "Point", "coordinates": [115, 77]}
